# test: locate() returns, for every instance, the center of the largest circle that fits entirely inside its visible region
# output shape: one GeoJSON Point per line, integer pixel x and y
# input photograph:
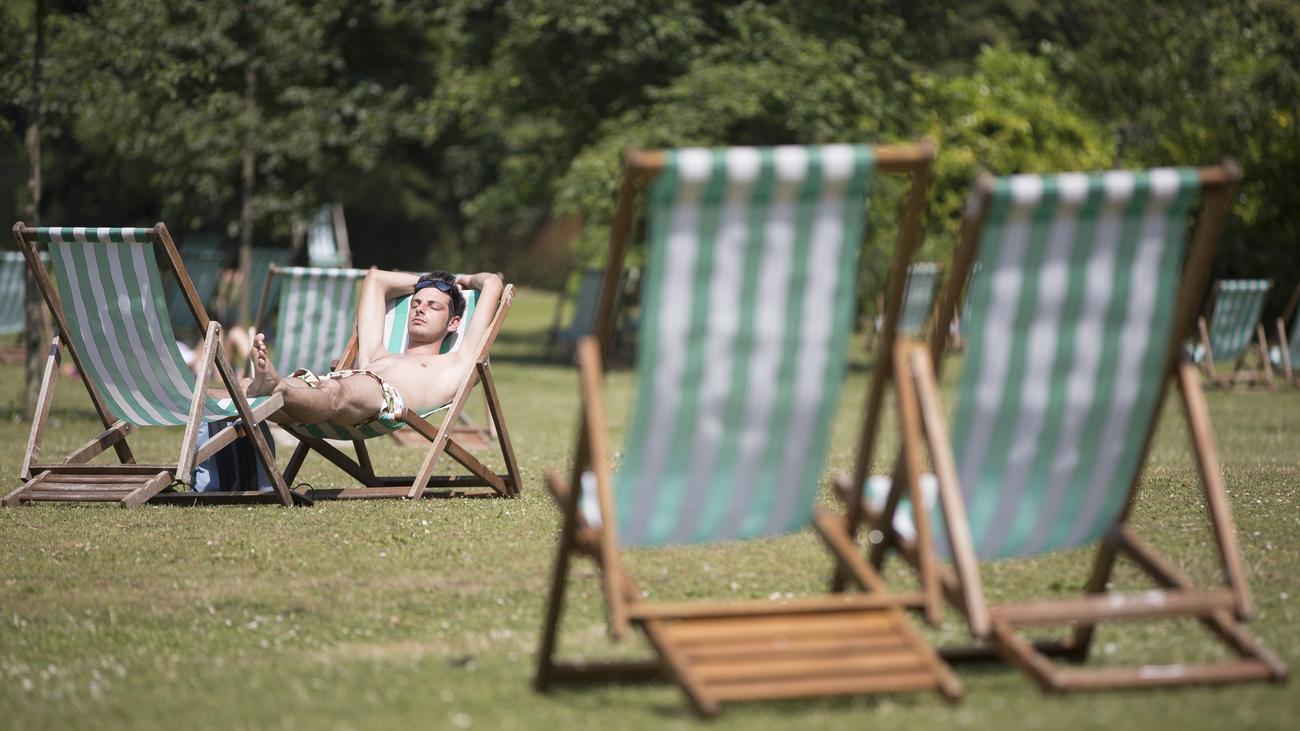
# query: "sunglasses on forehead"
{"type": "Point", "coordinates": [437, 284]}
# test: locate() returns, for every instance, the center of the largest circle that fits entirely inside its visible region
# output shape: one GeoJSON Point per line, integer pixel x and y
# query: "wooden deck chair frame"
{"type": "Point", "coordinates": [73, 479]}
{"type": "Point", "coordinates": [1258, 346]}
{"type": "Point", "coordinates": [1290, 368]}
{"type": "Point", "coordinates": [482, 481]}
{"type": "Point", "coordinates": [914, 369]}
{"type": "Point", "coordinates": [750, 624]}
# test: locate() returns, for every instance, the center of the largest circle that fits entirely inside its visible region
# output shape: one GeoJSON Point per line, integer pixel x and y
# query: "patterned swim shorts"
{"type": "Point", "coordinates": [392, 407]}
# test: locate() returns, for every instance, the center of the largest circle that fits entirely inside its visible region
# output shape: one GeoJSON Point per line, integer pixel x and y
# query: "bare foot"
{"type": "Point", "coordinates": [265, 377]}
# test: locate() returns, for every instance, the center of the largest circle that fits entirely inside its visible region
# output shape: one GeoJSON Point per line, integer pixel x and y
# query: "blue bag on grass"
{"type": "Point", "coordinates": [236, 466]}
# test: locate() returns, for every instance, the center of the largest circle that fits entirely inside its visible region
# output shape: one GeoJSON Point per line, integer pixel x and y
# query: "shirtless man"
{"type": "Point", "coordinates": [383, 383]}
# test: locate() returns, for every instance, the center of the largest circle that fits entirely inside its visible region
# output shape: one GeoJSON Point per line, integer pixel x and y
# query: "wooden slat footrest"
{"type": "Point", "coordinates": [126, 489]}
{"type": "Point", "coordinates": [790, 654]}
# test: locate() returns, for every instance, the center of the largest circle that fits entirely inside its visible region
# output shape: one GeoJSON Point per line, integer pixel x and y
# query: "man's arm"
{"type": "Point", "coordinates": [489, 286]}
{"type": "Point", "coordinates": [377, 288]}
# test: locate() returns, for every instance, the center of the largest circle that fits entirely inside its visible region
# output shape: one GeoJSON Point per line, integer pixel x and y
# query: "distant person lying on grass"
{"type": "Point", "coordinates": [383, 383]}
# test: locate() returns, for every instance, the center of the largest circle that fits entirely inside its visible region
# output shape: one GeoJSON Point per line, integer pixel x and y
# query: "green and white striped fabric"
{"type": "Point", "coordinates": [918, 295]}
{"type": "Point", "coordinates": [13, 292]}
{"type": "Point", "coordinates": [584, 307]}
{"type": "Point", "coordinates": [747, 306]}
{"type": "Point", "coordinates": [395, 339]}
{"type": "Point", "coordinates": [263, 259]}
{"type": "Point", "coordinates": [1238, 304]}
{"type": "Point", "coordinates": [317, 310]}
{"type": "Point", "coordinates": [203, 258]}
{"type": "Point", "coordinates": [112, 297]}
{"type": "Point", "coordinates": [1072, 318]}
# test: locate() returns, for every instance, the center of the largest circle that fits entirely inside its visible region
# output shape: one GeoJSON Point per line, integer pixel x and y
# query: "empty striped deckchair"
{"type": "Point", "coordinates": [584, 312]}
{"type": "Point", "coordinates": [918, 299]}
{"type": "Point", "coordinates": [918, 296]}
{"type": "Point", "coordinates": [261, 285]}
{"type": "Point", "coordinates": [1235, 331]}
{"type": "Point", "coordinates": [315, 315]}
{"type": "Point", "coordinates": [747, 306]}
{"type": "Point", "coordinates": [109, 315]}
{"type": "Point", "coordinates": [13, 292]}
{"type": "Point", "coordinates": [440, 439]}
{"type": "Point", "coordinates": [203, 259]}
{"type": "Point", "coordinates": [1289, 345]}
{"type": "Point", "coordinates": [1088, 287]}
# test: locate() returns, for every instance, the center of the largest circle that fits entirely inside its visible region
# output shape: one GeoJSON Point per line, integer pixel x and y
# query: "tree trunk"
{"type": "Point", "coordinates": [35, 331]}
{"type": "Point", "coordinates": [246, 209]}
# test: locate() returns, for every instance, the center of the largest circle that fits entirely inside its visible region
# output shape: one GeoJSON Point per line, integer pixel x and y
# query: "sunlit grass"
{"type": "Point", "coordinates": [391, 614]}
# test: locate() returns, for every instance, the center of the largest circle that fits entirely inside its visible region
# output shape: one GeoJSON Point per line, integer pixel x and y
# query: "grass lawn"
{"type": "Point", "coordinates": [388, 614]}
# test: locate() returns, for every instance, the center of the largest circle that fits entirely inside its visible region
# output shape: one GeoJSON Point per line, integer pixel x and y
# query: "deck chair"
{"type": "Point", "coordinates": [1289, 345]}
{"type": "Point", "coordinates": [13, 293]}
{"type": "Point", "coordinates": [203, 259]}
{"type": "Point", "coordinates": [262, 286]}
{"type": "Point", "coordinates": [441, 439]}
{"type": "Point", "coordinates": [327, 239]}
{"type": "Point", "coordinates": [747, 307]}
{"type": "Point", "coordinates": [1235, 331]}
{"type": "Point", "coordinates": [584, 312]}
{"type": "Point", "coordinates": [315, 314]}
{"type": "Point", "coordinates": [109, 315]}
{"type": "Point", "coordinates": [1087, 290]}
{"type": "Point", "coordinates": [918, 296]}
{"type": "Point", "coordinates": [918, 300]}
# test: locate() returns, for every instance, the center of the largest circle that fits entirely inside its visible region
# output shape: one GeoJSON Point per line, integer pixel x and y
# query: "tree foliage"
{"type": "Point", "coordinates": [455, 130]}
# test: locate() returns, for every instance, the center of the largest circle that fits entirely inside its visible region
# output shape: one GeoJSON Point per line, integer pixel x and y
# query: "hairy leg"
{"type": "Point", "coordinates": [348, 401]}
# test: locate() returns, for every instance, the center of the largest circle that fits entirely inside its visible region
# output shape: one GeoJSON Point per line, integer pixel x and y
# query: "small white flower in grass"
{"type": "Point", "coordinates": [1284, 596]}
{"type": "Point", "coordinates": [1109, 648]}
{"type": "Point", "coordinates": [462, 720]}
{"type": "Point", "coordinates": [383, 554]}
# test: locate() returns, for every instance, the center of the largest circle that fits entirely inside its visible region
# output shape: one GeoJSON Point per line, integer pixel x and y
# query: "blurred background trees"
{"type": "Point", "coordinates": [472, 132]}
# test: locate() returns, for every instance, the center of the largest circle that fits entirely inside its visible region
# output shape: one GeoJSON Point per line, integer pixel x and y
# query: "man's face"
{"type": "Point", "coordinates": [431, 316]}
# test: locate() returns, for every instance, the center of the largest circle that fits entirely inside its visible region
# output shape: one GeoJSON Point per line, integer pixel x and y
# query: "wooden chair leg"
{"type": "Point", "coordinates": [1263, 356]}
{"type": "Point", "coordinates": [1288, 374]}
{"type": "Point", "coordinates": [295, 462]}
{"type": "Point", "coordinates": [559, 580]}
{"type": "Point", "coordinates": [497, 420]}
{"type": "Point", "coordinates": [1103, 566]}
